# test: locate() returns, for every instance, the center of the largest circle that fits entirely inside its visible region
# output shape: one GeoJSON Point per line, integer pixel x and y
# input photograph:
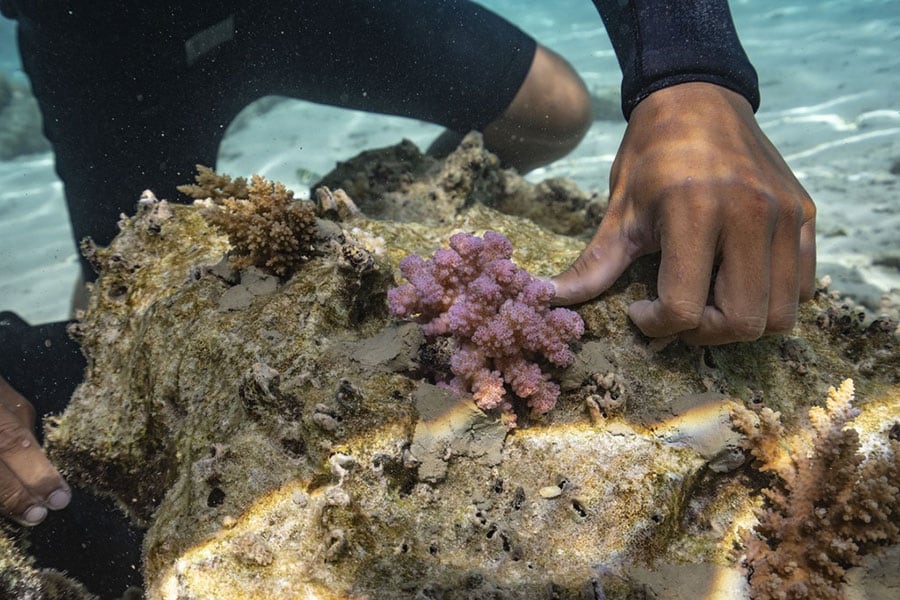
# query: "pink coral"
{"type": "Point", "coordinates": [499, 315]}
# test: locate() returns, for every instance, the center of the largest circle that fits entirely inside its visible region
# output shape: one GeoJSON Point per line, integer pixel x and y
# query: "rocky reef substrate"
{"type": "Point", "coordinates": [283, 437]}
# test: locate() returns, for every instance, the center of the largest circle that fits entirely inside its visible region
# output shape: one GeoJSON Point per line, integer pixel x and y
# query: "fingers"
{"type": "Point", "coordinates": [739, 310]}
{"type": "Point", "coordinates": [787, 272]}
{"type": "Point", "coordinates": [16, 403]}
{"type": "Point", "coordinates": [29, 484]}
{"type": "Point", "coordinates": [767, 255]}
{"type": "Point", "coordinates": [686, 264]}
{"type": "Point", "coordinates": [598, 266]}
{"type": "Point", "coordinates": [705, 192]}
{"type": "Point", "coordinates": [766, 250]}
{"type": "Point", "coordinates": [807, 266]}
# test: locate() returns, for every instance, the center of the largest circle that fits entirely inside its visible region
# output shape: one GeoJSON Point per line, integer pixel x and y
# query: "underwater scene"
{"type": "Point", "coordinates": [283, 348]}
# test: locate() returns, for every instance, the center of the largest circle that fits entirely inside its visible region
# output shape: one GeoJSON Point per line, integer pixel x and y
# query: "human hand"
{"type": "Point", "coordinates": [29, 484]}
{"type": "Point", "coordinates": [696, 179]}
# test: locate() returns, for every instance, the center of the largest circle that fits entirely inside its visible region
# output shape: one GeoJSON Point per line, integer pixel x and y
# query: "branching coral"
{"type": "Point", "coordinates": [266, 227]}
{"type": "Point", "coordinates": [214, 186]}
{"type": "Point", "coordinates": [499, 316]}
{"type": "Point", "coordinates": [828, 506]}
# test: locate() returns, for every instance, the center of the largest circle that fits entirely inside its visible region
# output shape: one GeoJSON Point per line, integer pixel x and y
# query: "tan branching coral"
{"type": "Point", "coordinates": [266, 227]}
{"type": "Point", "coordinates": [214, 186]}
{"type": "Point", "coordinates": [828, 506]}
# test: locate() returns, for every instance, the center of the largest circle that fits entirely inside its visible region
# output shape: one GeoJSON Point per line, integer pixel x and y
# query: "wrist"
{"type": "Point", "coordinates": [695, 97]}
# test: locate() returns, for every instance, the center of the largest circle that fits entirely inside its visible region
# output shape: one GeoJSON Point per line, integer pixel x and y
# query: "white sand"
{"type": "Point", "coordinates": [830, 80]}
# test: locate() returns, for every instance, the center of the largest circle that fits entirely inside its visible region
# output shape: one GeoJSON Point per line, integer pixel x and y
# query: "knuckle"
{"type": "Point", "coordinates": [684, 315]}
{"type": "Point", "coordinates": [747, 328]}
{"type": "Point", "coordinates": [14, 499]}
{"type": "Point", "coordinates": [584, 263]}
{"type": "Point", "coordinates": [790, 212]}
{"type": "Point", "coordinates": [762, 207]}
{"type": "Point", "coordinates": [795, 207]}
{"type": "Point", "coordinates": [782, 321]}
{"type": "Point", "coordinates": [809, 208]}
{"type": "Point", "coordinates": [13, 436]}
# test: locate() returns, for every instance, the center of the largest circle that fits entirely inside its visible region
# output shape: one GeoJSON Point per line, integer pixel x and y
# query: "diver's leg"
{"type": "Point", "coordinates": [546, 120]}
{"type": "Point", "coordinates": [450, 62]}
{"type": "Point", "coordinates": [121, 118]}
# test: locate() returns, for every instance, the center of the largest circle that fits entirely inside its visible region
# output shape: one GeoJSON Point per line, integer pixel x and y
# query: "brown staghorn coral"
{"type": "Point", "coordinates": [829, 504]}
{"type": "Point", "coordinates": [266, 227]}
{"type": "Point", "coordinates": [210, 184]}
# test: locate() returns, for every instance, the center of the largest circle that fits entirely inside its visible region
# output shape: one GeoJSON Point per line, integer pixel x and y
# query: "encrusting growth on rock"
{"type": "Point", "coordinates": [286, 446]}
{"type": "Point", "coordinates": [266, 227]}
{"type": "Point", "coordinates": [828, 506]}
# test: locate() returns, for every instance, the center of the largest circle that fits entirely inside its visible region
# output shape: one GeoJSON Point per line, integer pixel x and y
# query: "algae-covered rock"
{"type": "Point", "coordinates": [400, 183]}
{"type": "Point", "coordinates": [291, 444]}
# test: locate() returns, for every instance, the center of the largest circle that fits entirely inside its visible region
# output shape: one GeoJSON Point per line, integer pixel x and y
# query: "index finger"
{"type": "Point", "coordinates": [596, 268]}
{"type": "Point", "coordinates": [601, 262]}
{"type": "Point", "coordinates": [688, 247]}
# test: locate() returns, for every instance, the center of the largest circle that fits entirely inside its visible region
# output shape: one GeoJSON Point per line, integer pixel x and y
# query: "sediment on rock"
{"type": "Point", "coordinates": [293, 442]}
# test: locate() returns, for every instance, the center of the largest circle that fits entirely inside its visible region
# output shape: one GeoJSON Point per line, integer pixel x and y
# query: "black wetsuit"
{"type": "Point", "coordinates": [660, 43]}
{"type": "Point", "coordinates": [133, 97]}
{"type": "Point", "coordinates": [136, 97]}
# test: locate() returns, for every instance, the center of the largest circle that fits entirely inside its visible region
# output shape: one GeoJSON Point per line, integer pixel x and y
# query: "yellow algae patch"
{"type": "Point", "coordinates": [268, 552]}
{"type": "Point", "coordinates": [877, 413]}
{"type": "Point", "coordinates": [619, 494]}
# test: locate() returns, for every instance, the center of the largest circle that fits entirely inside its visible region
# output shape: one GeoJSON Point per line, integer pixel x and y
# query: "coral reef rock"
{"type": "Point", "coordinates": [292, 445]}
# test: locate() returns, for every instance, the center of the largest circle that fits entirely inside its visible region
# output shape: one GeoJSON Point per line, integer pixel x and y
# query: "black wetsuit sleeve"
{"type": "Point", "coordinates": [7, 9]}
{"type": "Point", "coordinates": [660, 43]}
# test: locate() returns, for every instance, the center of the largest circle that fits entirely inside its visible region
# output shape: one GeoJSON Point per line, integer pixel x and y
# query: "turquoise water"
{"type": "Point", "coordinates": [830, 84]}
{"type": "Point", "coordinates": [9, 60]}
{"type": "Point", "coordinates": [807, 53]}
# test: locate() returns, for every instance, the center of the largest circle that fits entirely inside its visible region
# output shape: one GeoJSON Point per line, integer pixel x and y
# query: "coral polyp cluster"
{"type": "Point", "coordinates": [828, 506]}
{"type": "Point", "coordinates": [266, 227]}
{"type": "Point", "coordinates": [499, 316]}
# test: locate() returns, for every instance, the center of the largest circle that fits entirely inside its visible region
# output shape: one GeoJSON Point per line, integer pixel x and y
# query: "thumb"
{"type": "Point", "coordinates": [605, 258]}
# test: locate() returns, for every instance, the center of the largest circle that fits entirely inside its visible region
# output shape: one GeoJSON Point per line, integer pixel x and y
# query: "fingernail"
{"type": "Point", "coordinates": [59, 499]}
{"type": "Point", "coordinates": [34, 515]}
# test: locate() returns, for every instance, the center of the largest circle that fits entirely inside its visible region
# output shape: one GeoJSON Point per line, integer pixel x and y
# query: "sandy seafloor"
{"type": "Point", "coordinates": [830, 83]}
